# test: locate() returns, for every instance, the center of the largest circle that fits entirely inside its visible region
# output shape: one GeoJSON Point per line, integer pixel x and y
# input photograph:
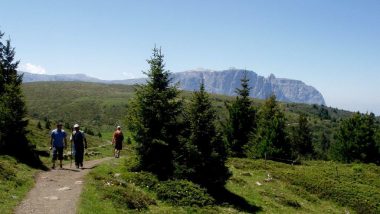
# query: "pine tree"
{"type": "Point", "coordinates": [13, 124]}
{"type": "Point", "coordinates": [323, 146]}
{"type": "Point", "coordinates": [205, 154]}
{"type": "Point", "coordinates": [47, 124]}
{"type": "Point", "coordinates": [39, 126]}
{"type": "Point", "coordinates": [302, 138]}
{"type": "Point", "coordinates": [242, 120]}
{"type": "Point", "coordinates": [153, 119]}
{"type": "Point", "coordinates": [12, 106]}
{"type": "Point", "coordinates": [356, 140]}
{"type": "Point", "coordinates": [270, 140]}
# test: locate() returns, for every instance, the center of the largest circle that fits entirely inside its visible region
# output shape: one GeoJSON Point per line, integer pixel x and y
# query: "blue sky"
{"type": "Point", "coordinates": [331, 45]}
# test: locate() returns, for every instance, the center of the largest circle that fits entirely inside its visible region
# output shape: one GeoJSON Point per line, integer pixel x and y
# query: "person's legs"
{"type": "Point", "coordinates": [75, 154]}
{"type": "Point", "coordinates": [60, 156]}
{"type": "Point", "coordinates": [80, 157]}
{"type": "Point", "coordinates": [54, 157]}
{"type": "Point", "coordinates": [118, 147]}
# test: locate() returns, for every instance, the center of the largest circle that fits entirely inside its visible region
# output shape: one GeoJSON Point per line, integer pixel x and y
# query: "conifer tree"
{"type": "Point", "coordinates": [205, 150]}
{"type": "Point", "coordinates": [270, 139]}
{"type": "Point", "coordinates": [12, 106]}
{"type": "Point", "coordinates": [356, 140]}
{"type": "Point", "coordinates": [242, 120]}
{"type": "Point", "coordinates": [153, 119]}
{"type": "Point", "coordinates": [302, 138]}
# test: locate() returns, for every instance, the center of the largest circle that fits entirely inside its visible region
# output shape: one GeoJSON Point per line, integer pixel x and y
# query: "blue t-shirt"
{"type": "Point", "coordinates": [58, 137]}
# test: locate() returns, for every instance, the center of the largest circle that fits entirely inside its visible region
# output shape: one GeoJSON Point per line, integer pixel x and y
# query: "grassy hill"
{"type": "Point", "coordinates": [101, 106]}
{"type": "Point", "coordinates": [97, 106]}
{"type": "Point", "coordinates": [256, 185]}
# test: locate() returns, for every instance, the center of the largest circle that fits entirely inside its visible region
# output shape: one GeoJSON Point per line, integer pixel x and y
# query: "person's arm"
{"type": "Point", "coordinates": [65, 141]}
{"type": "Point", "coordinates": [113, 138]}
{"type": "Point", "coordinates": [51, 141]}
{"type": "Point", "coordinates": [85, 141]}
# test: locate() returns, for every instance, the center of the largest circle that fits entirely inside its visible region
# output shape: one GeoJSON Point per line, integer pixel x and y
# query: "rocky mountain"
{"type": "Point", "coordinates": [218, 82]}
{"type": "Point", "coordinates": [226, 82]}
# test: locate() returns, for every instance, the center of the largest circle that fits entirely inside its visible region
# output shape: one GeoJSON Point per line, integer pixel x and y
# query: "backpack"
{"type": "Point", "coordinates": [78, 137]}
{"type": "Point", "coordinates": [119, 136]}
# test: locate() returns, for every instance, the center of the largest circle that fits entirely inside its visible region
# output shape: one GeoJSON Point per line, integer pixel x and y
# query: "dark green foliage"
{"type": "Point", "coordinates": [323, 146]}
{"type": "Point", "coordinates": [67, 126]}
{"type": "Point", "coordinates": [356, 140]}
{"type": "Point", "coordinates": [39, 126]}
{"type": "Point", "coordinates": [242, 120]}
{"type": "Point", "coordinates": [153, 119]}
{"type": "Point", "coordinates": [204, 153]}
{"type": "Point", "coordinates": [270, 139]}
{"type": "Point", "coordinates": [302, 138]}
{"type": "Point", "coordinates": [129, 196]}
{"type": "Point", "coordinates": [89, 131]}
{"type": "Point", "coordinates": [12, 108]}
{"type": "Point", "coordinates": [183, 193]}
{"type": "Point", "coordinates": [323, 113]}
{"type": "Point", "coordinates": [47, 124]}
{"type": "Point", "coordinates": [129, 141]}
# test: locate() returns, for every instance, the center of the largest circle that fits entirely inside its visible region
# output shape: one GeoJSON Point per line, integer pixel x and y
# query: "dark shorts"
{"type": "Point", "coordinates": [58, 151]}
{"type": "Point", "coordinates": [119, 145]}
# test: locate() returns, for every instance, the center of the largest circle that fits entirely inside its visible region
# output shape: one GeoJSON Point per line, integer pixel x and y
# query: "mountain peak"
{"type": "Point", "coordinates": [219, 82]}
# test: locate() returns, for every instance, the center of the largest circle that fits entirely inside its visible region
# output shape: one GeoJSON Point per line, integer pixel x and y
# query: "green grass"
{"type": "Point", "coordinates": [16, 179]}
{"type": "Point", "coordinates": [317, 186]}
{"type": "Point", "coordinates": [291, 189]}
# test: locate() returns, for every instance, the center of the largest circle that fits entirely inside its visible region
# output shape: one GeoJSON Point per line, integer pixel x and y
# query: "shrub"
{"type": "Point", "coordinates": [129, 196]}
{"type": "Point", "coordinates": [183, 193]}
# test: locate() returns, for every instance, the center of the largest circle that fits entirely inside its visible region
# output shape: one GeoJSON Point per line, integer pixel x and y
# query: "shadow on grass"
{"type": "Point", "coordinates": [222, 196]}
{"type": "Point", "coordinates": [24, 152]}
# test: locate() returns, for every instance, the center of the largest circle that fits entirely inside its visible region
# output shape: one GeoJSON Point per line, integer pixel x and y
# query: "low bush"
{"type": "Point", "coordinates": [129, 196]}
{"type": "Point", "coordinates": [183, 193]}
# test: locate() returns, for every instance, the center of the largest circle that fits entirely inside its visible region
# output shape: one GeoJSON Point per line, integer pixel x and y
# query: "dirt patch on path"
{"type": "Point", "coordinates": [57, 191]}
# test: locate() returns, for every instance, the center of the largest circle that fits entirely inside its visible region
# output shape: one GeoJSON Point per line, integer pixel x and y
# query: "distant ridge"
{"type": "Point", "coordinates": [218, 82]}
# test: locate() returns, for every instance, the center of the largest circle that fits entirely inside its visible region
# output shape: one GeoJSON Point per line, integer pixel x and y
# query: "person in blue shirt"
{"type": "Point", "coordinates": [58, 142]}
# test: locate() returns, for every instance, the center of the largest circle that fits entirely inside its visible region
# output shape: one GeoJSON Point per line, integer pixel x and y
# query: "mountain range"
{"type": "Point", "coordinates": [218, 82]}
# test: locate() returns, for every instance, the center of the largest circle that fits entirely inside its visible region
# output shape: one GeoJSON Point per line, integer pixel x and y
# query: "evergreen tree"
{"type": "Point", "coordinates": [323, 147]}
{"type": "Point", "coordinates": [153, 119]}
{"type": "Point", "coordinates": [39, 126]}
{"type": "Point", "coordinates": [12, 109]}
{"type": "Point", "coordinates": [12, 106]}
{"type": "Point", "coordinates": [356, 140]}
{"type": "Point", "coordinates": [270, 139]}
{"type": "Point", "coordinates": [48, 124]}
{"type": "Point", "coordinates": [205, 154]}
{"type": "Point", "coordinates": [302, 138]}
{"type": "Point", "coordinates": [242, 120]}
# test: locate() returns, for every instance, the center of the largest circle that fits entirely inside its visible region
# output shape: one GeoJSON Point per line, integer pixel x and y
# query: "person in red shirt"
{"type": "Point", "coordinates": [117, 140]}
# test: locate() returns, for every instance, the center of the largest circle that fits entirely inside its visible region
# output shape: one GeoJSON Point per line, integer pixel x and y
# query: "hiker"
{"type": "Point", "coordinates": [80, 144]}
{"type": "Point", "coordinates": [117, 140]}
{"type": "Point", "coordinates": [58, 142]}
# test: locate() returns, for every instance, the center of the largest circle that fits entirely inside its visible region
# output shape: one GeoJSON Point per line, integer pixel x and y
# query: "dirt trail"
{"type": "Point", "coordinates": [57, 191]}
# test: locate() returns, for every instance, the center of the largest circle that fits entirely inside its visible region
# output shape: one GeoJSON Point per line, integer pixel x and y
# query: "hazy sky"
{"type": "Point", "coordinates": [333, 45]}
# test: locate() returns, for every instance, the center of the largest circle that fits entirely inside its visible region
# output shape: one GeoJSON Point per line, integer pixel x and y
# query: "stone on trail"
{"type": "Point", "coordinates": [64, 189]}
{"type": "Point", "coordinates": [78, 182]}
{"type": "Point", "coordinates": [51, 198]}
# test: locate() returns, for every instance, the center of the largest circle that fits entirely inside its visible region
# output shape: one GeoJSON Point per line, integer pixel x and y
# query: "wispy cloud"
{"type": "Point", "coordinates": [35, 69]}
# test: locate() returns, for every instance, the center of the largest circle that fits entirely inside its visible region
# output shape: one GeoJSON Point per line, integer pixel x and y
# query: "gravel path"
{"type": "Point", "coordinates": [57, 191]}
